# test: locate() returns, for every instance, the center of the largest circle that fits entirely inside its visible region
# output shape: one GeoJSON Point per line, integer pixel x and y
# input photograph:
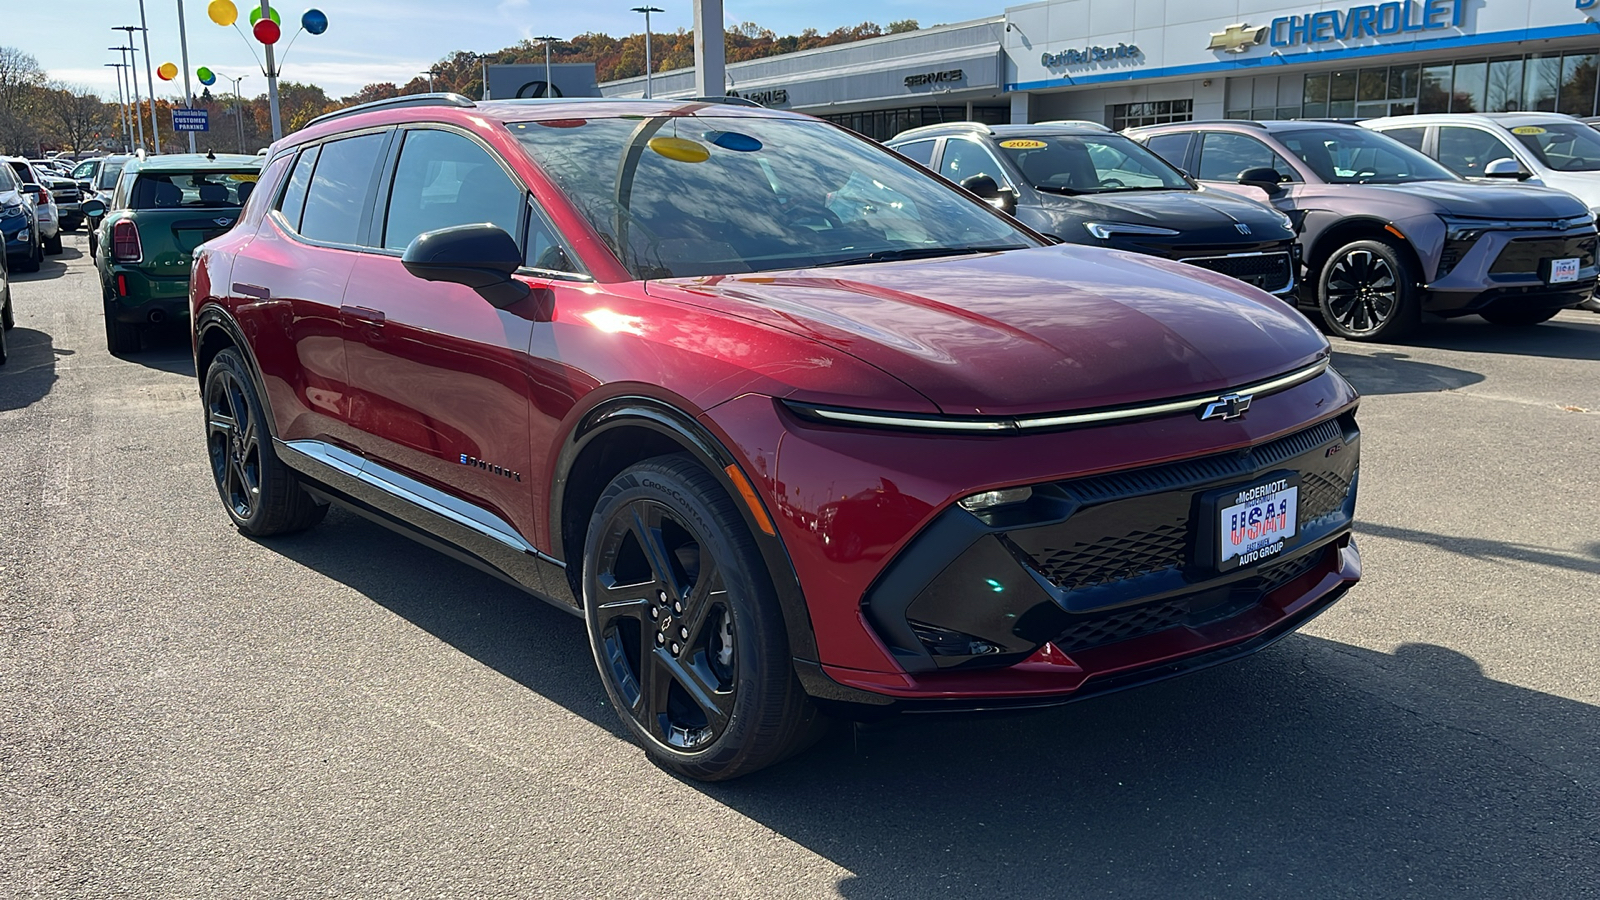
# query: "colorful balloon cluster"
{"type": "Point", "coordinates": [207, 77]}
{"type": "Point", "coordinates": [268, 29]}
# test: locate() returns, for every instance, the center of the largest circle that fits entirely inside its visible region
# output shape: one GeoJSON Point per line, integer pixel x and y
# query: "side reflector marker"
{"type": "Point", "coordinates": [742, 484]}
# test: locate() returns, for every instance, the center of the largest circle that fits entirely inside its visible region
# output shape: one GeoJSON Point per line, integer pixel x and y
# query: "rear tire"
{"type": "Point", "coordinates": [94, 240]}
{"type": "Point", "coordinates": [35, 258]}
{"type": "Point", "coordinates": [1591, 304]}
{"type": "Point", "coordinates": [52, 246]}
{"type": "Point", "coordinates": [1519, 318]}
{"type": "Point", "coordinates": [1368, 291]}
{"type": "Point", "coordinates": [685, 626]}
{"type": "Point", "coordinates": [261, 495]}
{"type": "Point", "coordinates": [121, 338]}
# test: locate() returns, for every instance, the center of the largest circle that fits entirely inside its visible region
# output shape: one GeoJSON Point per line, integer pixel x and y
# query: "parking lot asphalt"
{"type": "Point", "coordinates": [185, 712]}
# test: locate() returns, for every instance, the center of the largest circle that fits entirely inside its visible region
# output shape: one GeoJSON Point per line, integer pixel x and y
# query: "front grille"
{"type": "Point", "coordinates": [1154, 508]}
{"type": "Point", "coordinates": [1526, 256]}
{"type": "Point", "coordinates": [1268, 271]}
{"type": "Point", "coordinates": [1095, 631]}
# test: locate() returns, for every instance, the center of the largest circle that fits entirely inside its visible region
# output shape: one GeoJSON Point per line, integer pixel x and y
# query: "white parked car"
{"type": "Point", "coordinates": [1543, 148]}
{"type": "Point", "coordinates": [46, 213]}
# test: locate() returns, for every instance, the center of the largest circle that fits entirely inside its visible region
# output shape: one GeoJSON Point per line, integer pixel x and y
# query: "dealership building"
{"type": "Point", "coordinates": [1141, 62]}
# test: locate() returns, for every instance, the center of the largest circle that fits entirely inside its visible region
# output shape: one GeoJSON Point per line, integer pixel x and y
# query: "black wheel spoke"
{"type": "Point", "coordinates": [702, 687]}
{"type": "Point", "coordinates": [647, 520]}
{"type": "Point", "coordinates": [707, 595]}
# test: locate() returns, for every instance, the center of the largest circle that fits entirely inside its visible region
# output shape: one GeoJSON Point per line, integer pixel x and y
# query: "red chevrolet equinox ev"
{"type": "Point", "coordinates": [799, 429]}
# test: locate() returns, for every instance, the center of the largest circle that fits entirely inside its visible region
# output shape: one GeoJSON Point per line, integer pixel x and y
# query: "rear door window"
{"type": "Point", "coordinates": [1411, 135]}
{"type": "Point", "coordinates": [340, 186]}
{"type": "Point", "coordinates": [1174, 148]}
{"type": "Point", "coordinates": [920, 152]}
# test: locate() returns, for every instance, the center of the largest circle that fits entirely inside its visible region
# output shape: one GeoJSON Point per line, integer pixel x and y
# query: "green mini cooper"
{"type": "Point", "coordinates": [163, 208]}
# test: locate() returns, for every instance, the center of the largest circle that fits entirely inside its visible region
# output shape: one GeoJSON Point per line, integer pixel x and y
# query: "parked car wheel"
{"type": "Point", "coordinates": [686, 628]}
{"type": "Point", "coordinates": [1367, 291]}
{"type": "Point", "coordinates": [94, 240]}
{"type": "Point", "coordinates": [1519, 317]}
{"type": "Point", "coordinates": [34, 260]}
{"type": "Point", "coordinates": [7, 322]}
{"type": "Point", "coordinates": [261, 495]}
{"type": "Point", "coordinates": [52, 245]}
{"type": "Point", "coordinates": [1591, 304]}
{"type": "Point", "coordinates": [121, 338]}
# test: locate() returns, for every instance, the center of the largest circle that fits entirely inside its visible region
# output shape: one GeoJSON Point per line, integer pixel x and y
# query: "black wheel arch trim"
{"type": "Point", "coordinates": [212, 316]}
{"type": "Point", "coordinates": [663, 418]}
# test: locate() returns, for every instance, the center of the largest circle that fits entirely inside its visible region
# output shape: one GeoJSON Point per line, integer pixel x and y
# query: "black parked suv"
{"type": "Point", "coordinates": [1390, 234]}
{"type": "Point", "coordinates": [1083, 184]}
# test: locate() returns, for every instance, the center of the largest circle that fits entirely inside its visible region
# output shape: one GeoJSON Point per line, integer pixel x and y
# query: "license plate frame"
{"type": "Point", "coordinates": [1218, 549]}
{"type": "Point", "coordinates": [1563, 270]}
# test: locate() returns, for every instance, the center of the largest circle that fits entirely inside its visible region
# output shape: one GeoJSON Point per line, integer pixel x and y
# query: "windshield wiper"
{"type": "Point", "coordinates": [916, 253]}
{"type": "Point", "coordinates": [1056, 189]}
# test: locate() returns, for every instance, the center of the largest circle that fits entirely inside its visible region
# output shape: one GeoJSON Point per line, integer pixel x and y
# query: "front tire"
{"type": "Point", "coordinates": [262, 496]}
{"type": "Point", "coordinates": [685, 625]}
{"type": "Point", "coordinates": [1368, 291]}
{"type": "Point", "coordinates": [1519, 318]}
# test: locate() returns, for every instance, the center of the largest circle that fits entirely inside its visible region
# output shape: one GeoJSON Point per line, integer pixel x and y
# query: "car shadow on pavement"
{"type": "Point", "coordinates": [50, 268]}
{"type": "Point", "coordinates": [30, 369]}
{"type": "Point", "coordinates": [165, 347]}
{"type": "Point", "coordinates": [503, 627]}
{"type": "Point", "coordinates": [1571, 335]}
{"type": "Point", "coordinates": [1312, 769]}
{"type": "Point", "coordinates": [1485, 549]}
{"type": "Point", "coordinates": [1393, 372]}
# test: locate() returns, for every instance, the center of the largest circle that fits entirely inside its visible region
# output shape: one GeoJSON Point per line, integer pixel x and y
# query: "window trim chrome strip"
{"type": "Point", "coordinates": [1015, 425]}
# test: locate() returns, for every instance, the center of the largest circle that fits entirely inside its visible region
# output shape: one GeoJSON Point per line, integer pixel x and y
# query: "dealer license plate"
{"type": "Point", "coordinates": [1563, 270]}
{"type": "Point", "coordinates": [1258, 523]}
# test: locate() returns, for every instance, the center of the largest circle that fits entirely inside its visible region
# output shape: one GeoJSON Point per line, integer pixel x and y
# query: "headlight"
{"type": "Point", "coordinates": [1470, 228]}
{"type": "Point", "coordinates": [1103, 230]}
{"type": "Point", "coordinates": [1284, 218]}
{"type": "Point", "coordinates": [10, 212]}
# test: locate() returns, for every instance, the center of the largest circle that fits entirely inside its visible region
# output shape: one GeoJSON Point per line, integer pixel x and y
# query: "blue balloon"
{"type": "Point", "coordinates": [314, 21]}
{"type": "Point", "coordinates": [733, 140]}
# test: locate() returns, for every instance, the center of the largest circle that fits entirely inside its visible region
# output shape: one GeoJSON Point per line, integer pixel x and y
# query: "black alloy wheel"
{"type": "Point", "coordinates": [261, 495]}
{"type": "Point", "coordinates": [53, 245]}
{"type": "Point", "coordinates": [685, 626]}
{"type": "Point", "coordinates": [1368, 292]}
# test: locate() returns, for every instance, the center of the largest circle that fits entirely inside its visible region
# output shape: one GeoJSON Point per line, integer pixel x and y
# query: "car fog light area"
{"type": "Point", "coordinates": [992, 499]}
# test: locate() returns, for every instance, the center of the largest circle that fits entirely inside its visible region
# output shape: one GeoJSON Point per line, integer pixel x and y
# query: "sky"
{"type": "Point", "coordinates": [393, 40]}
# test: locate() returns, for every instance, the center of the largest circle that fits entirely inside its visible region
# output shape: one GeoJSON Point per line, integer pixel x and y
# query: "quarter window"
{"type": "Point", "coordinates": [920, 152]}
{"type": "Point", "coordinates": [444, 179]}
{"type": "Point", "coordinates": [339, 189]}
{"type": "Point", "coordinates": [1411, 137]}
{"type": "Point", "coordinates": [294, 196]}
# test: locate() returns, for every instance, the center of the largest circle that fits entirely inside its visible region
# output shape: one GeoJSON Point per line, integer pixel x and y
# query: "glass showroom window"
{"type": "Point", "coordinates": [1153, 112]}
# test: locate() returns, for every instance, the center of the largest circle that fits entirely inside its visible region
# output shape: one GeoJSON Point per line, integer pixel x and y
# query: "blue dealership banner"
{"type": "Point", "coordinates": [184, 119]}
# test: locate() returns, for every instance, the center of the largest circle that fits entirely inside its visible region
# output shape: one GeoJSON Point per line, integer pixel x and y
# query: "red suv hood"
{"type": "Point", "coordinates": [1028, 331]}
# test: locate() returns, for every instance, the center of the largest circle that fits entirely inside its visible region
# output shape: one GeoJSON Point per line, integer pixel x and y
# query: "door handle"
{"type": "Point", "coordinates": [362, 314]}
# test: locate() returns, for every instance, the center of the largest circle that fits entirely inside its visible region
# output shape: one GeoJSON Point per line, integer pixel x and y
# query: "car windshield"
{"type": "Point", "coordinates": [682, 196]}
{"type": "Point", "coordinates": [1563, 146]}
{"type": "Point", "coordinates": [108, 174]}
{"type": "Point", "coordinates": [1089, 164]}
{"type": "Point", "coordinates": [1349, 155]}
{"type": "Point", "coordinates": [191, 190]}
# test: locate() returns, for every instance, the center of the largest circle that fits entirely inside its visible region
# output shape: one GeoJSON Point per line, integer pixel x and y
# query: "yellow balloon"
{"type": "Point", "coordinates": [679, 149]}
{"type": "Point", "coordinates": [167, 71]}
{"type": "Point", "coordinates": [223, 12]}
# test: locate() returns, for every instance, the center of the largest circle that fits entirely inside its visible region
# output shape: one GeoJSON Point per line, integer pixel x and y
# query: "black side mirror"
{"type": "Point", "coordinates": [29, 187]}
{"type": "Point", "coordinates": [989, 191]}
{"type": "Point", "coordinates": [482, 257]}
{"type": "Point", "coordinates": [94, 209]}
{"type": "Point", "coordinates": [1264, 178]}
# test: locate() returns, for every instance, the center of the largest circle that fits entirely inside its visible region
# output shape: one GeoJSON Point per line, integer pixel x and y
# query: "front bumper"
{"type": "Point", "coordinates": [1503, 270]}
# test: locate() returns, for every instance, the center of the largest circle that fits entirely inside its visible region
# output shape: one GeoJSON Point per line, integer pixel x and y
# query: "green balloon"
{"type": "Point", "coordinates": [255, 16]}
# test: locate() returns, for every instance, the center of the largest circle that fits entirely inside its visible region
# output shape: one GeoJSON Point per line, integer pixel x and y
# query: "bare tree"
{"type": "Point", "coordinates": [81, 115]}
{"type": "Point", "coordinates": [21, 81]}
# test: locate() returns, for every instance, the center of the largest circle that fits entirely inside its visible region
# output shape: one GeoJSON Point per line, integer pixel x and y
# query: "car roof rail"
{"type": "Point", "coordinates": [928, 129]}
{"type": "Point", "coordinates": [441, 99]}
{"type": "Point", "coordinates": [730, 101]}
{"type": "Point", "coordinates": [1077, 123]}
{"type": "Point", "coordinates": [1248, 123]}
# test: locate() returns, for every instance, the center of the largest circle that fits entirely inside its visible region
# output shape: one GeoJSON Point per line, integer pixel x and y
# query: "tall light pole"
{"type": "Point", "coordinates": [710, 56]}
{"type": "Point", "coordinates": [183, 46]}
{"type": "Point", "coordinates": [483, 70]}
{"type": "Point", "coordinates": [648, 63]}
{"type": "Point", "coordinates": [272, 78]}
{"type": "Point", "coordinates": [429, 73]}
{"type": "Point", "coordinates": [133, 77]}
{"type": "Point", "coordinates": [150, 79]}
{"type": "Point", "coordinates": [548, 84]}
{"type": "Point", "coordinates": [122, 104]}
{"type": "Point", "coordinates": [238, 108]}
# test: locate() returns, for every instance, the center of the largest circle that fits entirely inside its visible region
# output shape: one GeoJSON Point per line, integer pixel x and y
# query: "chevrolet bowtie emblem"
{"type": "Point", "coordinates": [1237, 38]}
{"type": "Point", "coordinates": [1228, 406]}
